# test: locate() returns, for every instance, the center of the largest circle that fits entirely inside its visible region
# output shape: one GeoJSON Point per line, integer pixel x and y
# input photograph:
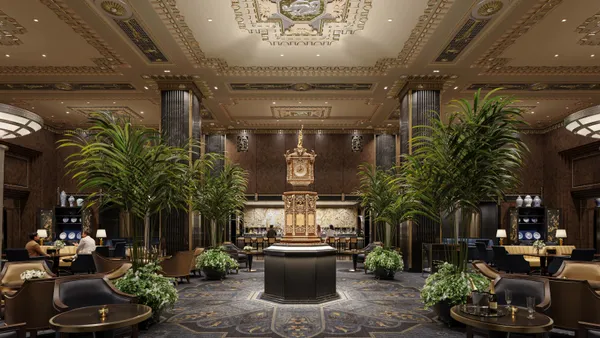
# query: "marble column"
{"type": "Point", "coordinates": [417, 103]}
{"type": "Point", "coordinates": [180, 121]}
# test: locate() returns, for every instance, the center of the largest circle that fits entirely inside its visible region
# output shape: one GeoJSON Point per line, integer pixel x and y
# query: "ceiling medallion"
{"type": "Point", "coordinates": [301, 22]}
{"type": "Point", "coordinates": [116, 9]}
{"type": "Point", "coordinates": [585, 122]}
{"type": "Point", "coordinates": [485, 9]}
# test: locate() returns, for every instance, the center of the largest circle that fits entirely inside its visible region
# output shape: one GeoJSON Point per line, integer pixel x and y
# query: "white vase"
{"type": "Point", "coordinates": [71, 201]}
{"type": "Point", "coordinates": [79, 202]}
{"type": "Point", "coordinates": [63, 199]}
{"type": "Point", "coordinates": [537, 202]}
{"type": "Point", "coordinates": [519, 201]}
{"type": "Point", "coordinates": [528, 200]}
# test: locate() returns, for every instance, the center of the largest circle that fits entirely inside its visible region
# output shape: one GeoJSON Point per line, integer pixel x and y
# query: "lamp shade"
{"type": "Point", "coordinates": [43, 233]}
{"type": "Point", "coordinates": [501, 233]}
{"type": "Point", "coordinates": [17, 122]}
{"type": "Point", "coordinates": [561, 233]}
{"type": "Point", "coordinates": [101, 233]}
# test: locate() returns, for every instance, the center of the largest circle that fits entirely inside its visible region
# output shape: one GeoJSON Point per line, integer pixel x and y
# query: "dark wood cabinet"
{"type": "Point", "coordinates": [528, 224]}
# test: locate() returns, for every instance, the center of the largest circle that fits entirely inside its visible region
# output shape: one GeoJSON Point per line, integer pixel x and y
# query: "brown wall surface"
{"type": "Point", "coordinates": [335, 165]}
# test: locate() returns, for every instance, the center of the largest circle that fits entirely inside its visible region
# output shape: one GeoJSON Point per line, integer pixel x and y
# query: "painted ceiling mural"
{"type": "Point", "coordinates": [301, 22]}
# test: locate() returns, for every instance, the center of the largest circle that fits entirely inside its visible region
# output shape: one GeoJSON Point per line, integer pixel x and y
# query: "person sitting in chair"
{"type": "Point", "coordinates": [271, 233]}
{"type": "Point", "coordinates": [33, 248]}
{"type": "Point", "coordinates": [86, 245]}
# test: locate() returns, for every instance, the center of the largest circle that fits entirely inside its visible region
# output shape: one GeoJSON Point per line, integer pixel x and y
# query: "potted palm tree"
{"type": "Point", "coordinates": [474, 156]}
{"type": "Point", "coordinates": [217, 194]}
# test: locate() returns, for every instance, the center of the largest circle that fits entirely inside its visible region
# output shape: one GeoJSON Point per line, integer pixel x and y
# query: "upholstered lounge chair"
{"type": "Point", "coordinates": [193, 269]}
{"type": "Point", "coordinates": [589, 271]}
{"type": "Point", "coordinates": [588, 330]}
{"type": "Point", "coordinates": [31, 304]}
{"type": "Point", "coordinates": [10, 276]}
{"type": "Point", "coordinates": [104, 265]}
{"type": "Point", "coordinates": [573, 301]}
{"type": "Point", "coordinates": [178, 266]}
{"type": "Point", "coordinates": [486, 270]}
{"type": "Point", "coordinates": [523, 287]}
{"type": "Point", "coordinates": [367, 249]}
{"type": "Point", "coordinates": [118, 272]}
{"type": "Point", "coordinates": [236, 253]}
{"type": "Point", "coordinates": [13, 331]}
{"type": "Point", "coordinates": [84, 290]}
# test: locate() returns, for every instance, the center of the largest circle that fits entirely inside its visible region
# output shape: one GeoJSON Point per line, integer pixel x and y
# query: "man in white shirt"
{"type": "Point", "coordinates": [86, 245]}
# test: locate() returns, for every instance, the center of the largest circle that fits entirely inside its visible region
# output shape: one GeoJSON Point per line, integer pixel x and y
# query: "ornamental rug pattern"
{"type": "Point", "coordinates": [368, 308]}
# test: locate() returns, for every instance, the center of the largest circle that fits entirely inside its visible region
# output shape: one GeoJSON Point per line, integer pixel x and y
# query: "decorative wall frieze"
{"type": "Point", "coordinates": [179, 82]}
{"type": "Point", "coordinates": [421, 82]}
{"type": "Point", "coordinates": [299, 22]}
{"type": "Point", "coordinates": [550, 128]}
{"type": "Point", "coordinates": [173, 19]}
{"type": "Point", "coordinates": [589, 28]}
{"type": "Point", "coordinates": [538, 86]}
{"type": "Point", "coordinates": [300, 87]}
{"type": "Point", "coordinates": [64, 86]}
{"type": "Point", "coordinates": [289, 130]}
{"type": "Point", "coordinates": [122, 110]}
{"type": "Point", "coordinates": [104, 66]}
{"type": "Point", "coordinates": [9, 29]}
{"type": "Point", "coordinates": [302, 112]}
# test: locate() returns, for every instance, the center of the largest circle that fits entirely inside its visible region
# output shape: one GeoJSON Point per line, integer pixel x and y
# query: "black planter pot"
{"type": "Point", "coordinates": [381, 273]}
{"type": "Point", "coordinates": [442, 309]}
{"type": "Point", "coordinates": [213, 274]}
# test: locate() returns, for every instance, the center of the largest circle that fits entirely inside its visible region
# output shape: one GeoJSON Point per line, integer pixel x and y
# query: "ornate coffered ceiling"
{"type": "Point", "coordinates": [277, 64]}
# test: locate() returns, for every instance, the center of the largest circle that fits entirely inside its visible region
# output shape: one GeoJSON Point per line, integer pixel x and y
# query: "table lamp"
{"type": "Point", "coordinates": [501, 233]}
{"type": "Point", "coordinates": [101, 233]}
{"type": "Point", "coordinates": [560, 234]}
{"type": "Point", "coordinates": [42, 233]}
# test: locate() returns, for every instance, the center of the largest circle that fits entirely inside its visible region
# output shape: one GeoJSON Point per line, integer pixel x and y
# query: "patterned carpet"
{"type": "Point", "coordinates": [367, 308]}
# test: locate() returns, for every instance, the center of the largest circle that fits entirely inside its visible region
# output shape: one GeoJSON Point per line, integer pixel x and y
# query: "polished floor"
{"type": "Point", "coordinates": [368, 308]}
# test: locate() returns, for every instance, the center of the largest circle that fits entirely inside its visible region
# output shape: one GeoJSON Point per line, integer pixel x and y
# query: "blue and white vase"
{"type": "Point", "coordinates": [537, 202]}
{"type": "Point", "coordinates": [528, 200]}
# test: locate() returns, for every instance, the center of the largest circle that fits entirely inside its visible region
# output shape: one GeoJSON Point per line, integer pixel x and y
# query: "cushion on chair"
{"type": "Point", "coordinates": [589, 271]}
{"type": "Point", "coordinates": [521, 289]}
{"type": "Point", "coordinates": [88, 292]}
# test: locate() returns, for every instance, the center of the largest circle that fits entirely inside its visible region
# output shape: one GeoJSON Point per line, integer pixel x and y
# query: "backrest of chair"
{"type": "Point", "coordinates": [583, 254]}
{"type": "Point", "coordinates": [523, 287]}
{"type": "Point", "coordinates": [103, 264]}
{"type": "Point", "coordinates": [32, 304]}
{"type": "Point", "coordinates": [119, 249]}
{"type": "Point", "coordinates": [17, 255]}
{"type": "Point", "coordinates": [247, 240]}
{"type": "Point", "coordinates": [499, 252]}
{"type": "Point", "coordinates": [11, 271]}
{"type": "Point", "coordinates": [179, 264]}
{"type": "Point", "coordinates": [579, 270]}
{"type": "Point", "coordinates": [271, 240]}
{"type": "Point", "coordinates": [486, 270]}
{"type": "Point", "coordinates": [84, 263]}
{"type": "Point", "coordinates": [86, 291]}
{"type": "Point", "coordinates": [566, 309]}
{"type": "Point", "coordinates": [103, 250]}
{"type": "Point", "coordinates": [119, 272]}
{"type": "Point", "coordinates": [481, 249]}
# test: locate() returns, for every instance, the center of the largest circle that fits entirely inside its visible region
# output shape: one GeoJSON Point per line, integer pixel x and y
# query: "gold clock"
{"type": "Point", "coordinates": [300, 169]}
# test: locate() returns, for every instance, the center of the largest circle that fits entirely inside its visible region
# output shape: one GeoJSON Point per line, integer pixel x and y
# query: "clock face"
{"type": "Point", "coordinates": [300, 169]}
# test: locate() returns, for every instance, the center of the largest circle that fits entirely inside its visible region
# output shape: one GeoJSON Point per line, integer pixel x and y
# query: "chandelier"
{"type": "Point", "coordinates": [585, 122]}
{"type": "Point", "coordinates": [17, 122]}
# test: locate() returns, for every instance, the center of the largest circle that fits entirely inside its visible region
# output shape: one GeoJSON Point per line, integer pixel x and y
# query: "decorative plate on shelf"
{"type": "Point", "coordinates": [528, 235]}
{"type": "Point", "coordinates": [79, 235]}
{"type": "Point", "coordinates": [526, 220]}
{"type": "Point", "coordinates": [520, 235]}
{"type": "Point", "coordinates": [74, 219]}
{"type": "Point", "coordinates": [71, 235]}
{"type": "Point", "coordinates": [65, 220]}
{"type": "Point", "coordinates": [537, 235]}
{"type": "Point", "coordinates": [62, 235]}
{"type": "Point", "coordinates": [534, 220]}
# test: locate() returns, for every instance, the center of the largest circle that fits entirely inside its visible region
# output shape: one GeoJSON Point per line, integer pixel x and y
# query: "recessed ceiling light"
{"type": "Point", "coordinates": [166, 71]}
{"type": "Point", "coordinates": [281, 55]}
{"type": "Point", "coordinates": [141, 112]}
{"type": "Point", "coordinates": [547, 115]}
{"type": "Point", "coordinates": [563, 20]}
{"type": "Point", "coordinates": [318, 54]}
{"type": "Point", "coordinates": [43, 55]}
{"type": "Point", "coordinates": [277, 120]}
{"type": "Point", "coordinates": [7, 55]}
{"type": "Point", "coordinates": [533, 112]}
{"type": "Point", "coordinates": [209, 20]}
{"type": "Point", "coordinates": [390, 20]}
{"type": "Point", "coordinates": [61, 102]}
{"type": "Point", "coordinates": [389, 124]}
{"type": "Point", "coordinates": [322, 120]}
{"type": "Point", "coordinates": [216, 88]}
{"type": "Point", "coordinates": [555, 55]}
{"type": "Point", "coordinates": [567, 107]}
{"type": "Point", "coordinates": [145, 87]}
{"type": "Point", "coordinates": [51, 115]}
{"type": "Point", "coordinates": [36, 20]}
{"type": "Point", "coordinates": [114, 102]}
{"type": "Point", "coordinates": [67, 112]}
{"type": "Point", "coordinates": [538, 102]}
{"type": "Point", "coordinates": [274, 102]}
{"type": "Point", "coordinates": [385, 88]}
{"type": "Point", "coordinates": [326, 102]}
{"type": "Point", "coordinates": [436, 71]}
{"type": "Point", "coordinates": [299, 101]}
{"type": "Point", "coordinates": [455, 88]}
{"type": "Point", "coordinates": [592, 55]}
{"type": "Point", "coordinates": [32, 107]}
{"type": "Point", "coordinates": [88, 102]}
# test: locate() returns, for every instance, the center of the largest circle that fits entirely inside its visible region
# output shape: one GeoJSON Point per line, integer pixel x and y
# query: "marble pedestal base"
{"type": "Point", "coordinates": [297, 274]}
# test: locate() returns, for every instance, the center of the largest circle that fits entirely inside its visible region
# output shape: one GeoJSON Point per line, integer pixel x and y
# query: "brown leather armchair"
{"type": "Point", "coordinates": [574, 301]}
{"type": "Point", "coordinates": [486, 270]}
{"type": "Point", "coordinates": [197, 252]}
{"type": "Point", "coordinates": [523, 286]}
{"type": "Point", "coordinates": [31, 304]}
{"type": "Point", "coordinates": [178, 266]}
{"type": "Point", "coordinates": [589, 271]}
{"type": "Point", "coordinates": [10, 276]}
{"type": "Point", "coordinates": [118, 272]}
{"type": "Point", "coordinates": [588, 330]}
{"type": "Point", "coordinates": [104, 265]}
{"type": "Point", "coordinates": [78, 291]}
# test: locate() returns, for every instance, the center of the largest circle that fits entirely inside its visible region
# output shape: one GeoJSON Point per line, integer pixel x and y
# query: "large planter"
{"type": "Point", "coordinates": [442, 309]}
{"type": "Point", "coordinates": [154, 319]}
{"type": "Point", "coordinates": [213, 274]}
{"type": "Point", "coordinates": [381, 273]}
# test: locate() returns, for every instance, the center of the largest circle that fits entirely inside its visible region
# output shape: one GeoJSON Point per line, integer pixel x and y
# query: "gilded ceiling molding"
{"type": "Point", "coordinates": [301, 23]}
{"type": "Point", "coordinates": [550, 128]}
{"type": "Point", "coordinates": [175, 22]}
{"type": "Point", "coordinates": [538, 86]}
{"type": "Point", "coordinates": [158, 82]}
{"type": "Point", "coordinates": [300, 87]}
{"type": "Point", "coordinates": [329, 124]}
{"type": "Point", "coordinates": [65, 86]}
{"type": "Point", "coordinates": [590, 28]}
{"type": "Point", "coordinates": [104, 66]}
{"type": "Point", "coordinates": [494, 64]}
{"type": "Point", "coordinates": [301, 112]}
{"type": "Point", "coordinates": [422, 82]}
{"type": "Point", "coordinates": [291, 130]}
{"type": "Point", "coordinates": [116, 110]}
{"type": "Point", "coordinates": [9, 29]}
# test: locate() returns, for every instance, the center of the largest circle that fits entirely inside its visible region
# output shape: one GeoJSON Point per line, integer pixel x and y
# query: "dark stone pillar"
{"type": "Point", "coordinates": [385, 151]}
{"type": "Point", "coordinates": [180, 122]}
{"type": "Point", "coordinates": [417, 104]}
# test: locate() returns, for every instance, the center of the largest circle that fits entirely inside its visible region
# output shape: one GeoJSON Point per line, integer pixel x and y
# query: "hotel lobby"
{"type": "Point", "coordinates": [299, 168]}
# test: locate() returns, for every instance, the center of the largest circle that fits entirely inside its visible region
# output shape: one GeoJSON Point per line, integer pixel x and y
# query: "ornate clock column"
{"type": "Point", "coordinates": [300, 205]}
{"type": "Point", "coordinates": [300, 269]}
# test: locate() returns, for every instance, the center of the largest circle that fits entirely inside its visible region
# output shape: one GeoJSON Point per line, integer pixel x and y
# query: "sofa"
{"type": "Point", "coordinates": [528, 249]}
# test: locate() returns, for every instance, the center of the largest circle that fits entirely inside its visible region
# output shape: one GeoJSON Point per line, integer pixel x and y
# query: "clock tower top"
{"type": "Point", "coordinates": [300, 164]}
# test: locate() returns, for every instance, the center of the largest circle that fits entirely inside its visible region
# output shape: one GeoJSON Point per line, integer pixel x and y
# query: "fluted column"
{"type": "Point", "coordinates": [180, 121]}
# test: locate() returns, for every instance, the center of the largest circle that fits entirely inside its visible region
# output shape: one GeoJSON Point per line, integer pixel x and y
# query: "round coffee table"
{"type": "Point", "coordinates": [500, 326]}
{"type": "Point", "coordinates": [87, 319]}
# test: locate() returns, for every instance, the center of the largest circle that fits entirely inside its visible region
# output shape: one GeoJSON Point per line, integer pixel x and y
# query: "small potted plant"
{"type": "Point", "coordinates": [58, 245]}
{"type": "Point", "coordinates": [248, 248]}
{"type": "Point", "coordinates": [448, 287]}
{"type": "Point", "coordinates": [215, 263]}
{"type": "Point", "coordinates": [538, 245]}
{"type": "Point", "coordinates": [33, 274]}
{"type": "Point", "coordinates": [384, 262]}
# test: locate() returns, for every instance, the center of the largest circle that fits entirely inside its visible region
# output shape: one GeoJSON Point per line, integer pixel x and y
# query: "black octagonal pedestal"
{"type": "Point", "coordinates": [300, 274]}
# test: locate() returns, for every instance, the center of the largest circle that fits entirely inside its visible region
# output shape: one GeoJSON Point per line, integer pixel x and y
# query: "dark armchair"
{"type": "Point", "coordinates": [17, 255]}
{"type": "Point", "coordinates": [31, 304]}
{"type": "Point", "coordinates": [85, 290]}
{"type": "Point", "coordinates": [178, 266]}
{"type": "Point", "coordinates": [15, 330]}
{"type": "Point", "coordinates": [514, 263]}
{"type": "Point", "coordinates": [573, 301]}
{"type": "Point", "coordinates": [588, 330]}
{"type": "Point", "coordinates": [236, 253]}
{"type": "Point", "coordinates": [367, 249]}
{"type": "Point", "coordinates": [483, 253]}
{"type": "Point", "coordinates": [523, 287]}
{"type": "Point", "coordinates": [103, 264]}
{"type": "Point", "coordinates": [84, 263]}
{"type": "Point", "coordinates": [582, 255]}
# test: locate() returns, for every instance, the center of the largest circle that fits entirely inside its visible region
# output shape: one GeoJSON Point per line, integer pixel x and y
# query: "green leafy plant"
{"type": "Point", "coordinates": [218, 194]}
{"type": "Point", "coordinates": [216, 259]}
{"type": "Point", "coordinates": [386, 259]}
{"type": "Point", "coordinates": [451, 285]}
{"type": "Point", "coordinates": [58, 244]}
{"type": "Point", "coordinates": [152, 289]}
{"type": "Point", "coordinates": [130, 167]}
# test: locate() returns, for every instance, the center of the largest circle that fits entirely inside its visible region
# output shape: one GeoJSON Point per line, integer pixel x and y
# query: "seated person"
{"type": "Point", "coordinates": [86, 245]}
{"type": "Point", "coordinates": [271, 233]}
{"type": "Point", "coordinates": [33, 248]}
